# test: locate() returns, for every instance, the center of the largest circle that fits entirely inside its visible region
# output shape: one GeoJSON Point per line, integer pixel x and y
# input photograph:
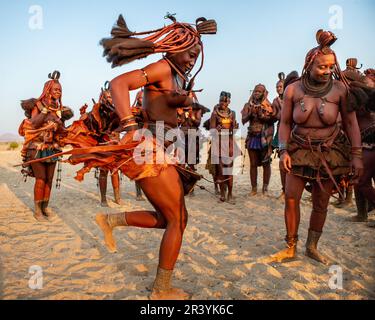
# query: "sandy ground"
{"type": "Point", "coordinates": [221, 257]}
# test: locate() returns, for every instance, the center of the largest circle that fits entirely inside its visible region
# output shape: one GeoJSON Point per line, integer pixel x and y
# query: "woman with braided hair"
{"type": "Point", "coordinates": [312, 146]}
{"type": "Point", "coordinates": [138, 114]}
{"type": "Point", "coordinates": [277, 104]}
{"type": "Point", "coordinates": [370, 77]}
{"type": "Point", "coordinates": [42, 129]}
{"type": "Point", "coordinates": [102, 120]}
{"type": "Point", "coordinates": [363, 103]}
{"type": "Point", "coordinates": [261, 116]}
{"type": "Point", "coordinates": [222, 128]}
{"type": "Point", "coordinates": [166, 87]}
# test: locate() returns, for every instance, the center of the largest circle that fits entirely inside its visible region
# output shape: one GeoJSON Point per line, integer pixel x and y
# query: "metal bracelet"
{"type": "Point", "coordinates": [127, 118]}
{"type": "Point", "coordinates": [130, 128]}
{"type": "Point", "coordinates": [283, 146]}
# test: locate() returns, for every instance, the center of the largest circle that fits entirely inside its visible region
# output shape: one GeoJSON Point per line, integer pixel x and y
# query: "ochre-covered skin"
{"type": "Point", "coordinates": [223, 120]}
{"type": "Point", "coordinates": [42, 132]}
{"type": "Point", "coordinates": [165, 90]}
{"type": "Point", "coordinates": [313, 104]}
{"type": "Point", "coordinates": [261, 116]}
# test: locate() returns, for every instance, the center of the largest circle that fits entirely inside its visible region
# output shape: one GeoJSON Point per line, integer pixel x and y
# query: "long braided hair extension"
{"type": "Point", "coordinates": [125, 46]}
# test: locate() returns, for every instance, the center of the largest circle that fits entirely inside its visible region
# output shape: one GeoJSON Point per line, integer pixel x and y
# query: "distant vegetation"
{"type": "Point", "coordinates": [13, 145]}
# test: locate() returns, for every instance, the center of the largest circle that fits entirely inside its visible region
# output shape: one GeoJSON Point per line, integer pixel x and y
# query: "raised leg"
{"type": "Point", "coordinates": [170, 214]}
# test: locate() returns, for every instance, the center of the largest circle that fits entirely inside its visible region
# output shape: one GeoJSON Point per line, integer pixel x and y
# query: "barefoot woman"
{"type": "Point", "coordinates": [165, 89]}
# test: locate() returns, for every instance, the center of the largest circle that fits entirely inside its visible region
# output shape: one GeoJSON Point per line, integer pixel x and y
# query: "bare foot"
{"type": "Point", "coordinates": [286, 254]}
{"type": "Point", "coordinates": [171, 294]}
{"type": "Point", "coordinates": [253, 193]}
{"type": "Point", "coordinates": [281, 196]}
{"type": "Point", "coordinates": [48, 213]}
{"type": "Point", "coordinates": [338, 203]}
{"type": "Point", "coordinates": [104, 203]}
{"type": "Point", "coordinates": [101, 220]}
{"type": "Point", "coordinates": [314, 254]}
{"type": "Point", "coordinates": [119, 202]}
{"type": "Point", "coordinates": [140, 198]}
{"type": "Point", "coordinates": [231, 200]}
{"type": "Point", "coordinates": [40, 217]}
{"type": "Point", "coordinates": [222, 199]}
{"type": "Point", "coordinates": [343, 204]}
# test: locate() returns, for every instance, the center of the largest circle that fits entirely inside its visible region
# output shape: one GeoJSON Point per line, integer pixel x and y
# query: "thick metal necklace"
{"type": "Point", "coordinates": [315, 92]}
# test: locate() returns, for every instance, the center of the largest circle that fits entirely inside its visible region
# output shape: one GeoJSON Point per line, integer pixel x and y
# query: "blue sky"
{"type": "Point", "coordinates": [255, 41]}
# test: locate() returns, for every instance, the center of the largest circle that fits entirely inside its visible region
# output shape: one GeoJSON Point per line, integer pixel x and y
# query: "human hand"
{"type": "Point", "coordinates": [356, 169]}
{"type": "Point", "coordinates": [285, 163]}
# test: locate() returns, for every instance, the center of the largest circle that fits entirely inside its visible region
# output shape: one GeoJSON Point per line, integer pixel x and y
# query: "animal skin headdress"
{"type": "Point", "coordinates": [225, 95]}
{"type": "Point", "coordinates": [103, 90]}
{"type": "Point", "coordinates": [106, 86]}
{"type": "Point", "coordinates": [352, 63]}
{"type": "Point", "coordinates": [281, 76]}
